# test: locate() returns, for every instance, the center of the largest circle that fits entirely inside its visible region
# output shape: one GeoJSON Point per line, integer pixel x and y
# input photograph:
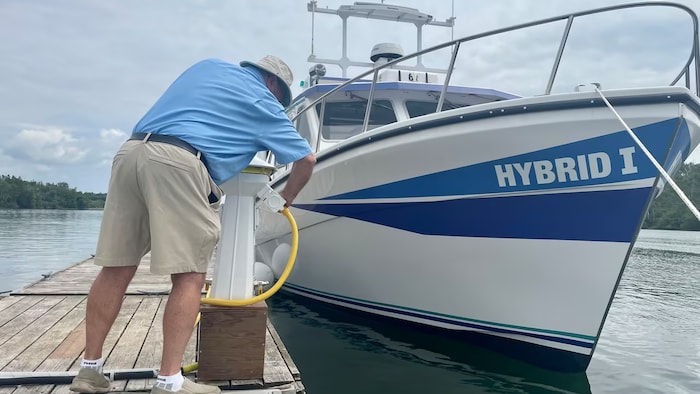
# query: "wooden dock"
{"type": "Point", "coordinates": [42, 329]}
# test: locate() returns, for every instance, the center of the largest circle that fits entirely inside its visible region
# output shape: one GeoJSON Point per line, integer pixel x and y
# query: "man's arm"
{"type": "Point", "coordinates": [298, 177]}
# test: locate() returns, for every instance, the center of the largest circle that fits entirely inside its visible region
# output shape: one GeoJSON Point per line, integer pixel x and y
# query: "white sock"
{"type": "Point", "coordinates": [93, 364]}
{"type": "Point", "coordinates": [171, 383]}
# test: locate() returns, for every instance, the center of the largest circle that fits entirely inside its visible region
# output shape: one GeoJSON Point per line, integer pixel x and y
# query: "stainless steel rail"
{"type": "Point", "coordinates": [692, 63]}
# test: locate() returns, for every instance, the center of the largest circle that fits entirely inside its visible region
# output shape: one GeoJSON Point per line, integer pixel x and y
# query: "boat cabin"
{"type": "Point", "coordinates": [398, 96]}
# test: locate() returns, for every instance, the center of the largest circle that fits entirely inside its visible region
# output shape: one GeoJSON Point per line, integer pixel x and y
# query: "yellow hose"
{"type": "Point", "coordinates": [280, 281]}
{"type": "Point", "coordinates": [261, 297]}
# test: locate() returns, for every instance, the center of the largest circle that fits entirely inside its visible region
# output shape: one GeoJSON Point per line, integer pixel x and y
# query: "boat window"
{"type": "Point", "coordinates": [303, 127]}
{"type": "Point", "coordinates": [344, 119]}
{"type": "Point", "coordinates": [420, 108]}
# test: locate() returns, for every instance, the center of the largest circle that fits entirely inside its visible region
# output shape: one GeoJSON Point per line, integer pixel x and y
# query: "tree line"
{"type": "Point", "coordinates": [17, 193]}
{"type": "Point", "coordinates": [668, 212]}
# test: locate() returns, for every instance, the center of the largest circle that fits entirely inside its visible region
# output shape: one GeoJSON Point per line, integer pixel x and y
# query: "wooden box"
{"type": "Point", "coordinates": [232, 342]}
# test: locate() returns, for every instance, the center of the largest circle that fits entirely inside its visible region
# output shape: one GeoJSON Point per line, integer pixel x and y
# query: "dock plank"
{"type": "Point", "coordinates": [28, 327]}
{"type": "Point", "coordinates": [62, 357]}
{"type": "Point", "coordinates": [151, 351]}
{"type": "Point", "coordinates": [127, 349]}
{"type": "Point", "coordinates": [276, 371]}
{"type": "Point", "coordinates": [7, 301]}
{"type": "Point", "coordinates": [68, 351]}
{"type": "Point", "coordinates": [17, 308]}
{"type": "Point", "coordinates": [283, 351]}
{"type": "Point", "coordinates": [68, 317]}
{"type": "Point", "coordinates": [45, 350]}
{"type": "Point", "coordinates": [129, 308]}
{"type": "Point", "coordinates": [78, 279]}
{"type": "Point", "coordinates": [35, 389]}
{"type": "Point", "coordinates": [61, 390]}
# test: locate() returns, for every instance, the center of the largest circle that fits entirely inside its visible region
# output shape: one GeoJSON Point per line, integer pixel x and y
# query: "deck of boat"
{"type": "Point", "coordinates": [42, 328]}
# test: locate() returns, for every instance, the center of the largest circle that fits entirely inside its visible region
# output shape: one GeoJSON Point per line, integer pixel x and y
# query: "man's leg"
{"type": "Point", "coordinates": [104, 303]}
{"type": "Point", "coordinates": [178, 320]}
{"type": "Point", "coordinates": [123, 240]}
{"type": "Point", "coordinates": [184, 229]}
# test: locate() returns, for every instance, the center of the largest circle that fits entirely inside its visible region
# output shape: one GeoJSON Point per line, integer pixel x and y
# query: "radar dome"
{"type": "Point", "coordinates": [386, 50]}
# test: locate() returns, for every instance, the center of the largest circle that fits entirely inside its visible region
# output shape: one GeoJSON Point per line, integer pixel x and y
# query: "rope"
{"type": "Point", "coordinates": [656, 164]}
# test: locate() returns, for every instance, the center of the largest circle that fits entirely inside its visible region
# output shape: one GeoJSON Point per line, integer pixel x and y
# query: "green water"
{"type": "Point", "coordinates": [650, 342]}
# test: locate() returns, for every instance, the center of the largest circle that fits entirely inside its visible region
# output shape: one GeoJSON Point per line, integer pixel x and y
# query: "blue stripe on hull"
{"type": "Point", "coordinates": [541, 356]}
{"type": "Point", "coordinates": [611, 215]}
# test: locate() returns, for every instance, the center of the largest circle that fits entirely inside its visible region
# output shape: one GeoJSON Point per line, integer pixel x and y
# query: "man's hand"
{"type": "Point", "coordinates": [298, 177]}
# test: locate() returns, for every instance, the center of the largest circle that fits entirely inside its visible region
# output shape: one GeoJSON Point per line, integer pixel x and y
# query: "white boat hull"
{"type": "Point", "coordinates": [516, 224]}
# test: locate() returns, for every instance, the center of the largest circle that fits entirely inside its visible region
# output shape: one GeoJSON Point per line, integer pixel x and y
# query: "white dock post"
{"type": "Point", "coordinates": [235, 255]}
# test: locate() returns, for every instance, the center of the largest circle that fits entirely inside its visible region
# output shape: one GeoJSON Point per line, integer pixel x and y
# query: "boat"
{"type": "Point", "coordinates": [494, 218]}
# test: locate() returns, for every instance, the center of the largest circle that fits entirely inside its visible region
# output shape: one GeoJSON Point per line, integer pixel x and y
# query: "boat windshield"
{"type": "Point", "coordinates": [344, 119]}
{"type": "Point", "coordinates": [420, 108]}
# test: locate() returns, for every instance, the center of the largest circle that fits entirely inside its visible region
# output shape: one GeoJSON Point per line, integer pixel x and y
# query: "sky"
{"type": "Point", "coordinates": [76, 75]}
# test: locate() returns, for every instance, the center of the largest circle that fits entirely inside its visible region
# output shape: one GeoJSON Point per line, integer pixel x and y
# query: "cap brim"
{"type": "Point", "coordinates": [287, 91]}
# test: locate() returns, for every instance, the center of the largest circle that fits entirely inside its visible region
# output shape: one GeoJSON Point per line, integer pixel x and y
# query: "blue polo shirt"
{"type": "Point", "coordinates": [226, 112]}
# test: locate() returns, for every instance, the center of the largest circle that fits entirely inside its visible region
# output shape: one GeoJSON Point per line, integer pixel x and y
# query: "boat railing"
{"type": "Point", "coordinates": [691, 66]}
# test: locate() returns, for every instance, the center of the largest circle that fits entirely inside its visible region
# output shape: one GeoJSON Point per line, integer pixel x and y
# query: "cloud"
{"type": "Point", "coordinates": [55, 154]}
{"type": "Point", "coordinates": [111, 139]}
{"type": "Point", "coordinates": [46, 146]}
{"type": "Point", "coordinates": [112, 134]}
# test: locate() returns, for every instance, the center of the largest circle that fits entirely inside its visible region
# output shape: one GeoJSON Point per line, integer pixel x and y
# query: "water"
{"type": "Point", "coordinates": [650, 342]}
{"type": "Point", "coordinates": [35, 242]}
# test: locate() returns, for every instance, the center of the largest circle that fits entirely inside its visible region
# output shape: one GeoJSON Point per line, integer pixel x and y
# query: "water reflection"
{"type": "Point", "coordinates": [405, 353]}
{"type": "Point", "coordinates": [650, 340]}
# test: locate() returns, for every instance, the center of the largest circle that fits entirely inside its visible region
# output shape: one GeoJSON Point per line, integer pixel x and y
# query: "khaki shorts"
{"type": "Point", "coordinates": [158, 201]}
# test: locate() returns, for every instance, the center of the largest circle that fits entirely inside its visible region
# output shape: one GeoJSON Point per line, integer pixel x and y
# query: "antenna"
{"type": "Point", "coordinates": [452, 18]}
{"type": "Point", "coordinates": [312, 6]}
